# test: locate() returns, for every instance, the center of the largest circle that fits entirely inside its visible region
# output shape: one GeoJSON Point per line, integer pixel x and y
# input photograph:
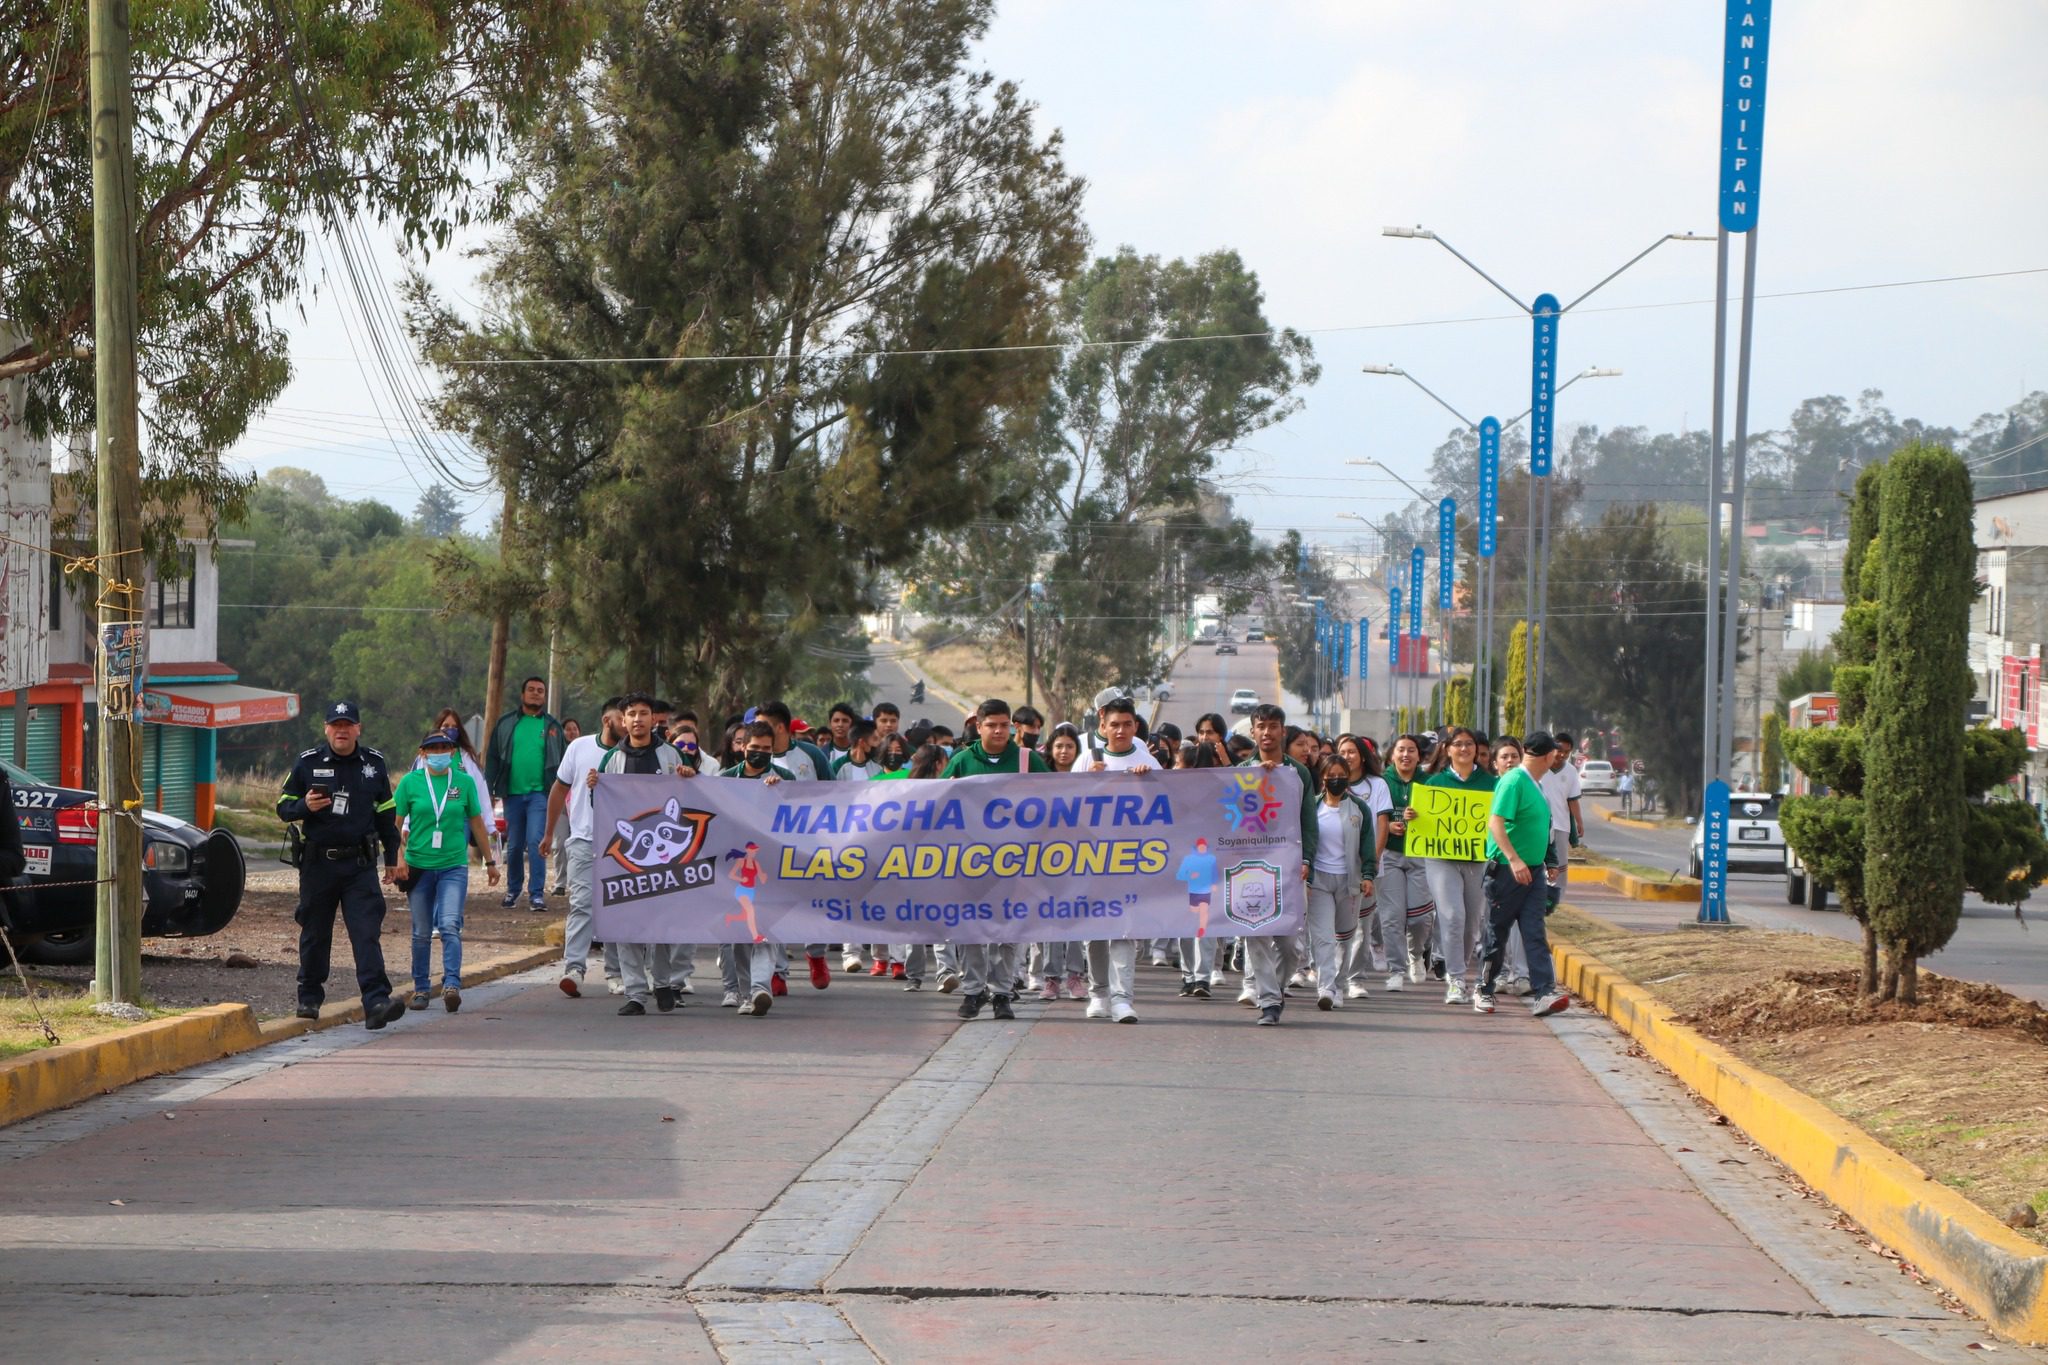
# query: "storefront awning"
{"type": "Point", "coordinates": [216, 706]}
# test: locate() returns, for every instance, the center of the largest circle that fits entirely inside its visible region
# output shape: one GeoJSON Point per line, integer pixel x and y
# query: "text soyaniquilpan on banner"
{"type": "Point", "coordinates": [1004, 858]}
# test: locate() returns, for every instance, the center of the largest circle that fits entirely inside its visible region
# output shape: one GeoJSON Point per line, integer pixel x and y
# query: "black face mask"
{"type": "Point", "coordinates": [1028, 738]}
{"type": "Point", "coordinates": [1336, 786]}
{"type": "Point", "coordinates": [758, 760]}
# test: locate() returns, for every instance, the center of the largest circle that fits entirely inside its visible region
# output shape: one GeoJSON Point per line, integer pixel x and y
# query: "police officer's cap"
{"type": "Point", "coordinates": [344, 710]}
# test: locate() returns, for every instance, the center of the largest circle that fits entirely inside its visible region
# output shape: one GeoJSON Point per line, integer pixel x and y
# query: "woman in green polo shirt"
{"type": "Point", "coordinates": [1458, 885]}
{"type": "Point", "coordinates": [438, 805]}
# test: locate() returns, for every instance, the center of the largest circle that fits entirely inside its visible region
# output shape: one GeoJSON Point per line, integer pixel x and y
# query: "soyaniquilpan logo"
{"type": "Point", "coordinates": [1251, 894]}
{"type": "Point", "coordinates": [1251, 800]}
{"type": "Point", "coordinates": [658, 851]}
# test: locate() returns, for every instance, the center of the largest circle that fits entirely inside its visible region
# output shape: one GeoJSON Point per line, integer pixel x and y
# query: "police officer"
{"type": "Point", "coordinates": [342, 793]}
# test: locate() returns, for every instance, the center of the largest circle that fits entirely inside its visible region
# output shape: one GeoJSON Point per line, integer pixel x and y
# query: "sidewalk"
{"type": "Point", "coordinates": [860, 1176]}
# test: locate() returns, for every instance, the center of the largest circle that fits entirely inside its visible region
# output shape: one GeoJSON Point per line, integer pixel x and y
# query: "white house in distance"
{"type": "Point", "coordinates": [2010, 620]}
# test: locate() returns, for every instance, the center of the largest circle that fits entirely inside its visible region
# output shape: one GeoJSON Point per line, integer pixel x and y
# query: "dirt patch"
{"type": "Point", "coordinates": [68, 1011]}
{"type": "Point", "coordinates": [977, 671]}
{"type": "Point", "coordinates": [180, 972]}
{"type": "Point", "coordinates": [1957, 1083]}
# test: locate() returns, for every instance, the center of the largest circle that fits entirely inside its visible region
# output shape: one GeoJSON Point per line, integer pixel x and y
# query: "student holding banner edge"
{"type": "Point", "coordinates": [1270, 959]}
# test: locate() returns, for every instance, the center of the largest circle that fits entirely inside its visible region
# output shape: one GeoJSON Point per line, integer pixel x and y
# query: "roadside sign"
{"type": "Point", "coordinates": [1446, 551]}
{"type": "Point", "coordinates": [1714, 854]}
{"type": "Point", "coordinates": [1543, 384]}
{"type": "Point", "coordinates": [1394, 627]}
{"type": "Point", "coordinates": [1415, 592]}
{"type": "Point", "coordinates": [1489, 483]}
{"type": "Point", "coordinates": [1744, 62]}
{"type": "Point", "coordinates": [1364, 645]}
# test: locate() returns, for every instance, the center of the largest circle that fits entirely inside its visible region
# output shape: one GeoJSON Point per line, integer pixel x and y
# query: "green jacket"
{"type": "Point", "coordinates": [973, 761]}
{"type": "Point", "coordinates": [1308, 805]}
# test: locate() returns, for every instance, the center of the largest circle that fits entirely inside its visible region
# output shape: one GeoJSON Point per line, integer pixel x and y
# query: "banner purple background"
{"type": "Point", "coordinates": [1007, 858]}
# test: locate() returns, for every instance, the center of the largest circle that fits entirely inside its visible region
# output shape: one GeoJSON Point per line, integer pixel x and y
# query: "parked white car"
{"type": "Point", "coordinates": [1755, 843]}
{"type": "Point", "coordinates": [1598, 778]}
{"type": "Point", "coordinates": [1243, 701]}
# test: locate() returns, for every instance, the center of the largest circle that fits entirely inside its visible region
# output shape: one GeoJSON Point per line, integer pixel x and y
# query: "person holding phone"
{"type": "Point", "coordinates": [340, 790]}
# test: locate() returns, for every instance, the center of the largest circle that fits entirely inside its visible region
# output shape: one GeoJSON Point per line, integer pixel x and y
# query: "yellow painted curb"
{"type": "Point", "coordinates": [1639, 888]}
{"type": "Point", "coordinates": [1987, 1265]}
{"type": "Point", "coordinates": [37, 1082]}
{"type": "Point", "coordinates": [54, 1077]}
{"type": "Point", "coordinates": [1615, 819]}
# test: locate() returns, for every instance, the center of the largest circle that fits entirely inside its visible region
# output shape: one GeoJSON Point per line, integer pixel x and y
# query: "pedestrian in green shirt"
{"type": "Point", "coordinates": [525, 750]}
{"type": "Point", "coordinates": [1517, 846]}
{"type": "Point", "coordinates": [439, 808]}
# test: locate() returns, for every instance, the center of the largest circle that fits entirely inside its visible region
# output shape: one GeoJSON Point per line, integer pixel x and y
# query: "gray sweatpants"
{"type": "Point", "coordinates": [1459, 890]}
{"type": "Point", "coordinates": [580, 928]}
{"type": "Point", "coordinates": [1332, 923]}
{"type": "Point", "coordinates": [643, 966]}
{"type": "Point", "coordinates": [1063, 958]}
{"type": "Point", "coordinates": [1198, 959]}
{"type": "Point", "coordinates": [1113, 968]}
{"type": "Point", "coordinates": [745, 967]}
{"type": "Point", "coordinates": [1403, 888]}
{"type": "Point", "coordinates": [1269, 960]}
{"type": "Point", "coordinates": [987, 968]}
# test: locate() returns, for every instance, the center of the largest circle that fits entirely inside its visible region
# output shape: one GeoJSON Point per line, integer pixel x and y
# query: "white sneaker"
{"type": "Point", "coordinates": [1516, 985]}
{"type": "Point", "coordinates": [1552, 1002]}
{"type": "Point", "coordinates": [730, 1001]}
{"type": "Point", "coordinates": [1396, 982]}
{"type": "Point", "coordinates": [614, 985]}
{"type": "Point", "coordinates": [851, 962]}
{"type": "Point", "coordinates": [1300, 981]}
{"type": "Point", "coordinates": [684, 987]}
{"type": "Point", "coordinates": [759, 1004]}
{"type": "Point", "coordinates": [1415, 971]}
{"type": "Point", "coordinates": [1454, 993]}
{"type": "Point", "coordinates": [948, 982]}
{"type": "Point", "coordinates": [1356, 991]}
{"type": "Point", "coordinates": [1098, 1007]}
{"type": "Point", "coordinates": [1326, 1000]}
{"type": "Point", "coordinates": [1249, 996]}
{"type": "Point", "coordinates": [1482, 1003]}
{"type": "Point", "coordinates": [1121, 1011]}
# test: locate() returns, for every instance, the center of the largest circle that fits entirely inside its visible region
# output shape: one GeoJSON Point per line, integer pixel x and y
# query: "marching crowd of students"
{"type": "Point", "coordinates": [1377, 915]}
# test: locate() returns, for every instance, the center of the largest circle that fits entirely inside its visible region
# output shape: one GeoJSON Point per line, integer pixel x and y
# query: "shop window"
{"type": "Point", "coordinates": [173, 595]}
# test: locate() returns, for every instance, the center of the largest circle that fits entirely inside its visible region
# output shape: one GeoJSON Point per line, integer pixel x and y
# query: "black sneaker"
{"type": "Point", "coordinates": [538, 905]}
{"type": "Point", "coordinates": [1436, 967]}
{"type": "Point", "coordinates": [664, 998]}
{"type": "Point", "coordinates": [1201, 990]}
{"type": "Point", "coordinates": [632, 1007]}
{"type": "Point", "coordinates": [512, 899]}
{"type": "Point", "coordinates": [1269, 1016]}
{"type": "Point", "coordinates": [1000, 1007]}
{"type": "Point", "coordinates": [378, 1016]}
{"type": "Point", "coordinates": [309, 1011]}
{"type": "Point", "coordinates": [970, 1008]}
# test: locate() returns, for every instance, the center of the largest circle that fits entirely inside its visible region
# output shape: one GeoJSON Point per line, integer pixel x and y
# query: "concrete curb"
{"type": "Point", "coordinates": [55, 1077]}
{"type": "Point", "coordinates": [1614, 819]}
{"type": "Point", "coordinates": [1993, 1269]}
{"type": "Point", "coordinates": [1639, 888]}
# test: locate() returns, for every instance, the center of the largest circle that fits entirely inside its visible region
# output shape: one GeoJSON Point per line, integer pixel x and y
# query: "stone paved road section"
{"type": "Point", "coordinates": [858, 1176]}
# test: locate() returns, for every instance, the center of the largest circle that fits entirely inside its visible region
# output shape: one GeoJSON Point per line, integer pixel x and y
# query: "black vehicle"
{"type": "Point", "coordinates": [191, 880]}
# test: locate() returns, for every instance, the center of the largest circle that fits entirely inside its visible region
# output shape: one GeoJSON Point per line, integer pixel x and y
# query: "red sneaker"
{"type": "Point", "coordinates": [896, 971]}
{"type": "Point", "coordinates": [821, 974]}
{"type": "Point", "coordinates": [881, 967]}
{"type": "Point", "coordinates": [777, 986]}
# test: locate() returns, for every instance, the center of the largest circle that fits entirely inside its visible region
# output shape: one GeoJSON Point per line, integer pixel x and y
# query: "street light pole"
{"type": "Point", "coordinates": [1538, 596]}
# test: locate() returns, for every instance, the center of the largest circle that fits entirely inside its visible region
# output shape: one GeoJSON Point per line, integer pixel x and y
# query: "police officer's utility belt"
{"type": "Point", "coordinates": [346, 854]}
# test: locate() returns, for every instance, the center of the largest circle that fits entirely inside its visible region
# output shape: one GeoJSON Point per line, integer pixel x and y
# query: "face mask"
{"type": "Point", "coordinates": [758, 760]}
{"type": "Point", "coordinates": [440, 763]}
{"type": "Point", "coordinates": [1336, 786]}
{"type": "Point", "coordinates": [1028, 738]}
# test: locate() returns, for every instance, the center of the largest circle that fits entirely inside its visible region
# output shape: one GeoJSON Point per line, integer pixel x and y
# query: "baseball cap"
{"type": "Point", "coordinates": [798, 727]}
{"type": "Point", "coordinates": [345, 710]}
{"type": "Point", "coordinates": [438, 737]}
{"type": "Point", "coordinates": [1108, 695]}
{"type": "Point", "coordinates": [1539, 744]}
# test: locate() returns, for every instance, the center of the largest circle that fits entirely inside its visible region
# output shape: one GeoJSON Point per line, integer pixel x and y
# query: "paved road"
{"type": "Point", "coordinates": [859, 1176]}
{"type": "Point", "coordinates": [1989, 944]}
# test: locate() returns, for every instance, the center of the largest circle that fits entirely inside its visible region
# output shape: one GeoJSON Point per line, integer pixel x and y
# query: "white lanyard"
{"type": "Point", "coordinates": [439, 805]}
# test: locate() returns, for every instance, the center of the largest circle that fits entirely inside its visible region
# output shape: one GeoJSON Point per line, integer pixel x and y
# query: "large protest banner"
{"type": "Point", "coordinates": [1449, 823]}
{"type": "Point", "coordinates": [997, 859]}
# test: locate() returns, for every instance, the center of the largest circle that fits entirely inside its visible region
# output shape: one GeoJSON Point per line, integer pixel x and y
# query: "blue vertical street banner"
{"type": "Point", "coordinates": [1446, 551]}
{"type": "Point", "coordinates": [1543, 385]}
{"type": "Point", "coordinates": [1364, 646]}
{"type": "Point", "coordinates": [1394, 628]}
{"type": "Point", "coordinates": [1745, 59]}
{"type": "Point", "coordinates": [1415, 592]}
{"type": "Point", "coordinates": [1714, 854]}
{"type": "Point", "coordinates": [1489, 484]}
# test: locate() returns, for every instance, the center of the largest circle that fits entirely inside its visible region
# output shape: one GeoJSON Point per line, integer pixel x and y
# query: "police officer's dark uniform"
{"type": "Point", "coordinates": [339, 867]}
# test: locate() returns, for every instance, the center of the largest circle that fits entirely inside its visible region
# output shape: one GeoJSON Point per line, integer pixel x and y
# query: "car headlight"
{"type": "Point", "coordinates": [163, 857]}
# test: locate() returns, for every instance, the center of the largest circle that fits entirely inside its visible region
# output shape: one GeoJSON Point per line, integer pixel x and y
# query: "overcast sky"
{"type": "Point", "coordinates": [1549, 142]}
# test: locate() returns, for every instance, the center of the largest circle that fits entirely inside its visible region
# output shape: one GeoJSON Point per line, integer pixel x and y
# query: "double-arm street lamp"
{"type": "Point", "coordinates": [1545, 311]}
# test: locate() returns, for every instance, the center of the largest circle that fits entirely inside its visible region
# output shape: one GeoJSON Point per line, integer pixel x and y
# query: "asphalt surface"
{"type": "Point", "coordinates": [858, 1176]}
{"type": "Point", "coordinates": [1990, 945]}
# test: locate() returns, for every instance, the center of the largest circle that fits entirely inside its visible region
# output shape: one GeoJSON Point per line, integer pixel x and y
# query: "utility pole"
{"type": "Point", "coordinates": [117, 952]}
{"type": "Point", "coordinates": [501, 625]}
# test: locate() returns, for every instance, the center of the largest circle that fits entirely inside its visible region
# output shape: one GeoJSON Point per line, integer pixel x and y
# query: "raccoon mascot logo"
{"type": "Point", "coordinates": [656, 852]}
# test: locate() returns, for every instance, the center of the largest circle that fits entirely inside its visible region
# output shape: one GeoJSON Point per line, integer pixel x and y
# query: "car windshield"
{"type": "Point", "coordinates": [1752, 806]}
{"type": "Point", "coordinates": [19, 778]}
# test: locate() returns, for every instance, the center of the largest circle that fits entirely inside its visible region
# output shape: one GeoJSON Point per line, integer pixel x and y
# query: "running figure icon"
{"type": "Point", "coordinates": [745, 880]}
{"type": "Point", "coordinates": [1198, 870]}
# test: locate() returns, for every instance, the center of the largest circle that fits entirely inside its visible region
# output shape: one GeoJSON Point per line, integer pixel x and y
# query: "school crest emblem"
{"type": "Point", "coordinates": [1251, 894]}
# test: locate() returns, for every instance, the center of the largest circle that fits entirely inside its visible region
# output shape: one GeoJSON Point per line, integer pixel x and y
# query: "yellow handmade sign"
{"type": "Point", "coordinates": [1449, 823]}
